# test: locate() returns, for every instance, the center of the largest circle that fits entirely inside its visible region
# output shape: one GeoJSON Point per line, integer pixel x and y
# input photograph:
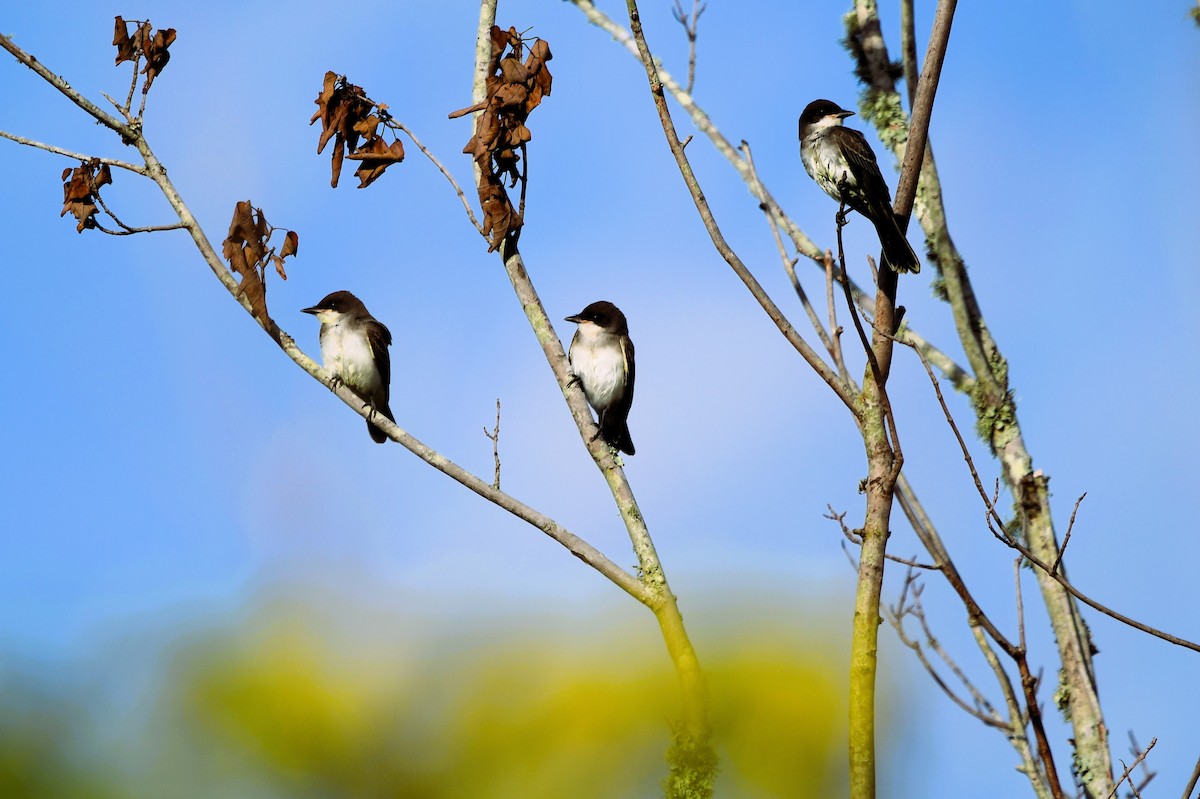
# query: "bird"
{"type": "Point", "coordinates": [354, 346]}
{"type": "Point", "coordinates": [835, 157]}
{"type": "Point", "coordinates": [601, 356]}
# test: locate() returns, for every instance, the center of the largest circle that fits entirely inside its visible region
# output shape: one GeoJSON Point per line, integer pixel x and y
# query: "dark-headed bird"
{"type": "Point", "coordinates": [602, 360]}
{"type": "Point", "coordinates": [837, 157]}
{"type": "Point", "coordinates": [354, 346]}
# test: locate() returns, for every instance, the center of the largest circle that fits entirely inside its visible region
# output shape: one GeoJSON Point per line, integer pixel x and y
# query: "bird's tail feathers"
{"type": "Point", "coordinates": [898, 253]}
{"type": "Point", "coordinates": [617, 435]}
{"type": "Point", "coordinates": [377, 435]}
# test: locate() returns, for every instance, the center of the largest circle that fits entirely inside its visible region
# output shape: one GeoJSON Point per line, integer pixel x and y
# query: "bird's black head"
{"type": "Point", "coordinates": [339, 302]}
{"type": "Point", "coordinates": [819, 110]}
{"type": "Point", "coordinates": [605, 315]}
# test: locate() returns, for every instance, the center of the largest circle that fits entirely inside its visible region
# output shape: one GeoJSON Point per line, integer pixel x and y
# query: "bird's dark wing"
{"type": "Point", "coordinates": [380, 338]}
{"type": "Point", "coordinates": [627, 353]}
{"type": "Point", "coordinates": [614, 423]}
{"type": "Point", "coordinates": [872, 194]}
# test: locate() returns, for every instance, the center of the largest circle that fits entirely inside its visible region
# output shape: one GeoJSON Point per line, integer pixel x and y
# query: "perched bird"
{"type": "Point", "coordinates": [354, 346]}
{"type": "Point", "coordinates": [602, 359]}
{"type": "Point", "coordinates": [835, 156]}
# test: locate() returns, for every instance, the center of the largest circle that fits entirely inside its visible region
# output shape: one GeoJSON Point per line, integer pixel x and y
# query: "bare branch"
{"type": "Point", "coordinates": [494, 435]}
{"type": "Point", "coordinates": [1020, 603]}
{"type": "Point", "coordinates": [879, 355]}
{"type": "Point", "coordinates": [1007, 540]}
{"type": "Point", "coordinates": [50, 148]}
{"type": "Point", "coordinates": [1066, 538]}
{"type": "Point", "coordinates": [1020, 738]}
{"type": "Point", "coordinates": [457, 189]}
{"type": "Point", "coordinates": [1045, 753]}
{"type": "Point", "coordinates": [690, 29]}
{"type": "Point", "coordinates": [1191, 786]}
{"type": "Point", "coordinates": [854, 537]}
{"type": "Point", "coordinates": [1149, 775]}
{"type": "Point", "coordinates": [982, 710]}
{"type": "Point", "coordinates": [125, 131]}
{"type": "Point", "coordinates": [1130, 768]}
{"type": "Point", "coordinates": [127, 230]}
{"type": "Point", "coordinates": [922, 109]}
{"type": "Point", "coordinates": [832, 345]}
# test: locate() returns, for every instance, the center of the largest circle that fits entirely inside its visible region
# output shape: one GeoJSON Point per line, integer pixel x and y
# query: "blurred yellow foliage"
{"type": "Point", "coordinates": [517, 714]}
{"type": "Point", "coordinates": [305, 697]}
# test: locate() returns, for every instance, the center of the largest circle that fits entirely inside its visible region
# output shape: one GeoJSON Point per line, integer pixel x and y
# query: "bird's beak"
{"type": "Point", "coordinates": [843, 114]}
{"type": "Point", "coordinates": [314, 310]}
{"type": "Point", "coordinates": [573, 318]}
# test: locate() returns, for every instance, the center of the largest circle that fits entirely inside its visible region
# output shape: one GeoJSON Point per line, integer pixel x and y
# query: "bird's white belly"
{"type": "Point", "coordinates": [350, 358]}
{"type": "Point", "coordinates": [824, 165]}
{"type": "Point", "coordinates": [602, 373]}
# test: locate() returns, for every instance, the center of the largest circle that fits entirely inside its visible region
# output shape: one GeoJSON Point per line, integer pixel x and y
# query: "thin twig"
{"type": "Point", "coordinates": [1030, 685]}
{"type": "Point", "coordinates": [690, 29]}
{"type": "Point", "coordinates": [57, 82]}
{"type": "Point", "coordinates": [494, 435]}
{"type": "Point", "coordinates": [922, 109]}
{"type": "Point", "coordinates": [1018, 720]}
{"type": "Point", "coordinates": [126, 230]}
{"type": "Point", "coordinates": [834, 327]}
{"type": "Point", "coordinates": [1191, 786]}
{"type": "Point", "coordinates": [1020, 603]}
{"type": "Point", "coordinates": [855, 538]}
{"type": "Point", "coordinates": [1070, 526]}
{"type": "Point", "coordinates": [875, 355]}
{"type": "Point", "coordinates": [1129, 769]}
{"type": "Point", "coordinates": [983, 710]}
{"type": "Point", "coordinates": [50, 148]}
{"type": "Point", "coordinates": [1149, 775]}
{"type": "Point", "coordinates": [789, 266]}
{"type": "Point", "coordinates": [1009, 541]}
{"type": "Point", "coordinates": [980, 700]}
{"type": "Point", "coordinates": [433, 158]}
{"type": "Point", "coordinates": [123, 109]}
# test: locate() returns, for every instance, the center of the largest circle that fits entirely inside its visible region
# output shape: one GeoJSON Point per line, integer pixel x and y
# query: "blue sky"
{"type": "Point", "coordinates": [167, 463]}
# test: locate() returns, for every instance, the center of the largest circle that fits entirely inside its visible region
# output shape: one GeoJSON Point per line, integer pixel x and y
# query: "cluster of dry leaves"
{"type": "Point", "coordinates": [81, 187]}
{"type": "Point", "coordinates": [145, 41]}
{"type": "Point", "coordinates": [514, 89]}
{"type": "Point", "coordinates": [348, 115]}
{"type": "Point", "coordinates": [246, 249]}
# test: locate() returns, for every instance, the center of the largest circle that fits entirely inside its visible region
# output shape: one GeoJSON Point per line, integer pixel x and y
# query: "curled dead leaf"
{"type": "Point", "coordinates": [247, 250]}
{"type": "Point", "coordinates": [81, 185]}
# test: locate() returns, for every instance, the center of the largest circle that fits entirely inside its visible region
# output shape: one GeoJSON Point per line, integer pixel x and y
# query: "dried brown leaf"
{"type": "Point", "coordinates": [348, 117]}
{"type": "Point", "coordinates": [156, 54]}
{"type": "Point", "coordinates": [540, 51]}
{"type": "Point", "coordinates": [79, 186]}
{"type": "Point", "coordinates": [103, 177]}
{"type": "Point", "coordinates": [245, 250]}
{"type": "Point", "coordinates": [376, 157]}
{"type": "Point", "coordinates": [125, 51]}
{"type": "Point", "coordinates": [366, 126]}
{"type": "Point", "coordinates": [513, 89]}
{"type": "Point", "coordinates": [513, 71]}
{"type": "Point", "coordinates": [338, 153]}
{"type": "Point", "coordinates": [322, 112]}
{"type": "Point", "coordinates": [291, 244]}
